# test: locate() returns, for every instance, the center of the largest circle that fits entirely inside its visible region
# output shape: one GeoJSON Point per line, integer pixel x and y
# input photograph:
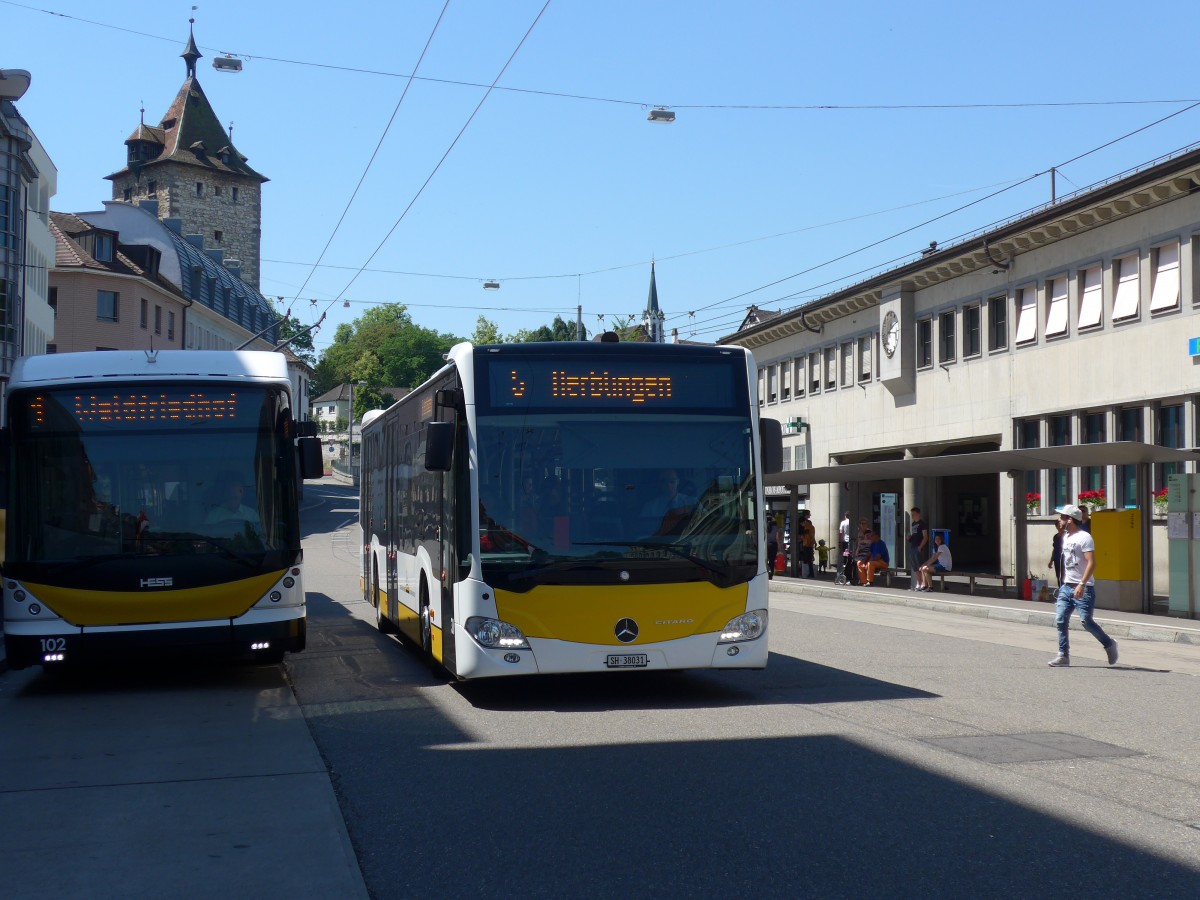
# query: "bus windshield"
{"type": "Point", "coordinates": [571, 498]}
{"type": "Point", "coordinates": [153, 470]}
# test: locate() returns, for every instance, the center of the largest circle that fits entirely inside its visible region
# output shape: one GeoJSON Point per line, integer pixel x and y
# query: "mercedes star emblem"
{"type": "Point", "coordinates": [626, 631]}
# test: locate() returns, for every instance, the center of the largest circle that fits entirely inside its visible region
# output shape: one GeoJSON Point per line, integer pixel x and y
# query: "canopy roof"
{"type": "Point", "coordinates": [1120, 453]}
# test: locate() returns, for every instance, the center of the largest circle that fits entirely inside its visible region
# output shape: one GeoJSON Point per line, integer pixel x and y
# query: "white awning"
{"type": "Point", "coordinates": [1119, 453]}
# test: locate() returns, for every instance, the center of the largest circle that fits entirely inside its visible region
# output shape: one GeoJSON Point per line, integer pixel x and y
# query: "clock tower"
{"type": "Point", "coordinates": [897, 341]}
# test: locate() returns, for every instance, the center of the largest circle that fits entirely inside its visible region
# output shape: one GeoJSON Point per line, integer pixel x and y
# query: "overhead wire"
{"type": "Point", "coordinates": [494, 86]}
{"type": "Point", "coordinates": [375, 152]}
{"type": "Point", "coordinates": [445, 155]}
{"type": "Point", "coordinates": [359, 70]}
{"type": "Point", "coordinates": [939, 217]}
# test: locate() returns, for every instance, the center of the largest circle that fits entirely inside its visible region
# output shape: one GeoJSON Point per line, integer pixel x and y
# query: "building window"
{"type": "Point", "coordinates": [102, 247]}
{"type": "Point", "coordinates": [170, 325]}
{"type": "Point", "coordinates": [157, 319]}
{"type": "Point", "coordinates": [152, 188]}
{"type": "Point", "coordinates": [814, 372]}
{"type": "Point", "coordinates": [1127, 301]}
{"type": "Point", "coordinates": [830, 368]}
{"type": "Point", "coordinates": [924, 343]}
{"type": "Point", "coordinates": [1168, 433]}
{"type": "Point", "coordinates": [1095, 427]}
{"type": "Point", "coordinates": [1027, 315]}
{"type": "Point", "coordinates": [801, 376]}
{"type": "Point", "coordinates": [233, 192]}
{"type": "Point", "coordinates": [1060, 479]}
{"type": "Point", "coordinates": [218, 235]}
{"type": "Point", "coordinates": [1129, 428]}
{"type": "Point", "coordinates": [142, 313]}
{"type": "Point", "coordinates": [762, 387]}
{"type": "Point", "coordinates": [1029, 436]}
{"type": "Point", "coordinates": [946, 338]}
{"type": "Point", "coordinates": [998, 323]}
{"type": "Point", "coordinates": [216, 190]}
{"type": "Point", "coordinates": [1056, 309]}
{"type": "Point", "coordinates": [1165, 293]}
{"type": "Point", "coordinates": [772, 384]}
{"type": "Point", "coordinates": [199, 188]}
{"type": "Point", "coordinates": [972, 342]}
{"type": "Point", "coordinates": [847, 351]}
{"type": "Point", "coordinates": [54, 301]}
{"type": "Point", "coordinates": [107, 303]}
{"type": "Point", "coordinates": [1091, 297]}
{"type": "Point", "coordinates": [128, 194]}
{"type": "Point", "coordinates": [785, 380]}
{"type": "Point", "coordinates": [864, 359]}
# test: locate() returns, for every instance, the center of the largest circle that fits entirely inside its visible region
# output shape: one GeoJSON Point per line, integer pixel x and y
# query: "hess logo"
{"type": "Point", "coordinates": [157, 582]}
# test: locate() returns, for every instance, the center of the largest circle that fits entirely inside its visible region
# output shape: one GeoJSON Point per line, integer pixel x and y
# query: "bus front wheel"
{"type": "Point", "coordinates": [382, 622]}
{"type": "Point", "coordinates": [426, 623]}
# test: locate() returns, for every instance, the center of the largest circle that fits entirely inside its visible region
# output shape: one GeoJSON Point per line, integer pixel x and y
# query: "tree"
{"type": "Point", "coordinates": [382, 348]}
{"type": "Point", "coordinates": [486, 332]}
{"type": "Point", "coordinates": [558, 330]}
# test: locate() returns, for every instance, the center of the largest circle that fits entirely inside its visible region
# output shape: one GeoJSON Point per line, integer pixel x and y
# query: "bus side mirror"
{"type": "Point", "coordinates": [439, 446]}
{"type": "Point", "coordinates": [770, 436]}
{"type": "Point", "coordinates": [311, 464]}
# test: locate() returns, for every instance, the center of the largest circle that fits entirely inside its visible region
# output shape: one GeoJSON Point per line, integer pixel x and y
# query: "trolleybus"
{"type": "Point", "coordinates": [153, 507]}
{"type": "Point", "coordinates": [572, 507]}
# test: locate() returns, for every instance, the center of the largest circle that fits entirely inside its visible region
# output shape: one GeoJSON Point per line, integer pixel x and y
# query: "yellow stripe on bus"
{"type": "Point", "coordinates": [218, 601]}
{"type": "Point", "coordinates": [588, 614]}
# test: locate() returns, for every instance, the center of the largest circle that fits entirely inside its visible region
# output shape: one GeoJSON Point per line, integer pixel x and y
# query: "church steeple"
{"type": "Point", "coordinates": [190, 53]}
{"type": "Point", "coordinates": [652, 318]}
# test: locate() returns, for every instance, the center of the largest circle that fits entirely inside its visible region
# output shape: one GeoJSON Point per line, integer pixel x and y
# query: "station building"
{"type": "Point", "coordinates": [994, 379]}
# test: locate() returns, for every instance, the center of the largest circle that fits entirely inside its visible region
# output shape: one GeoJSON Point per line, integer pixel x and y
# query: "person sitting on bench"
{"type": "Point", "coordinates": [941, 561]}
{"type": "Point", "coordinates": [877, 561]}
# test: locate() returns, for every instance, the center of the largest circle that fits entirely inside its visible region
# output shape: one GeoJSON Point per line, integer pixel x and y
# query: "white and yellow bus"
{"type": "Point", "coordinates": [153, 507]}
{"type": "Point", "coordinates": [572, 507]}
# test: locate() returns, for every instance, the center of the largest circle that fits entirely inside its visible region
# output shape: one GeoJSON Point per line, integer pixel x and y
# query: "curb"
{"type": "Point", "coordinates": [1143, 629]}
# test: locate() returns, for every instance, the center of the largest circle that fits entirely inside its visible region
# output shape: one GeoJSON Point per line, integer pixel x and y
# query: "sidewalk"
{"type": "Point", "coordinates": [1122, 625]}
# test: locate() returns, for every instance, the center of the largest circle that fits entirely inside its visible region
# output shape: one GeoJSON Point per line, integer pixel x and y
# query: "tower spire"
{"type": "Point", "coordinates": [190, 54]}
{"type": "Point", "coordinates": [652, 318]}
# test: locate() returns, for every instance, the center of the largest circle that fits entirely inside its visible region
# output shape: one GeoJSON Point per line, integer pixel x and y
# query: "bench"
{"type": "Point", "coordinates": [973, 577]}
{"type": "Point", "coordinates": [889, 573]}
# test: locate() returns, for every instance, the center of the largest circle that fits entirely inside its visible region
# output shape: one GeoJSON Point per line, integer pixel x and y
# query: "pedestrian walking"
{"type": "Point", "coordinates": [1078, 589]}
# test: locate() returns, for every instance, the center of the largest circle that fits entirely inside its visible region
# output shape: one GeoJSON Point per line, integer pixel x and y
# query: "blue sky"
{"type": "Point", "coordinates": [560, 189]}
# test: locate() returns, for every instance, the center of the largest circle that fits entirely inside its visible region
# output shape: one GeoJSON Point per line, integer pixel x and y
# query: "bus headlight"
{"type": "Point", "coordinates": [495, 634]}
{"type": "Point", "coordinates": [748, 626]}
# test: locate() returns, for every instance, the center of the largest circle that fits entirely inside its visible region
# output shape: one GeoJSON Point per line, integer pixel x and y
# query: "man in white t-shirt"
{"type": "Point", "coordinates": [1078, 590]}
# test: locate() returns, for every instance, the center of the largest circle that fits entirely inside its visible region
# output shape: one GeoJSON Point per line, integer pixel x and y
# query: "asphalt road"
{"type": "Point", "coordinates": [885, 752]}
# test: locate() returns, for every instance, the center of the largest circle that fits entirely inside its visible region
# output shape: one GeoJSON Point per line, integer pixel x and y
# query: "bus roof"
{"type": "Point", "coordinates": [127, 365]}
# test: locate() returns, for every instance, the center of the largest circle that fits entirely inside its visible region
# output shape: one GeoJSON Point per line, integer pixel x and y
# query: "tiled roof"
{"type": "Point", "coordinates": [70, 254]}
{"type": "Point", "coordinates": [190, 122]}
{"type": "Point", "coordinates": [147, 133]}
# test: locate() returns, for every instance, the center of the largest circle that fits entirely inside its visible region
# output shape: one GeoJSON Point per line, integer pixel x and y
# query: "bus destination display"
{"type": "Point", "coordinates": [134, 407]}
{"type": "Point", "coordinates": [617, 384]}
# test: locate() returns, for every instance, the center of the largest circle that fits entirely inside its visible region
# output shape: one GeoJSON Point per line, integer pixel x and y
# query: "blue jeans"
{"type": "Point", "coordinates": [1065, 602]}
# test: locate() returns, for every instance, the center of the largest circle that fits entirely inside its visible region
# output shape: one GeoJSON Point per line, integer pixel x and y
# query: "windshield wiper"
{"type": "Point", "coordinates": [669, 548]}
